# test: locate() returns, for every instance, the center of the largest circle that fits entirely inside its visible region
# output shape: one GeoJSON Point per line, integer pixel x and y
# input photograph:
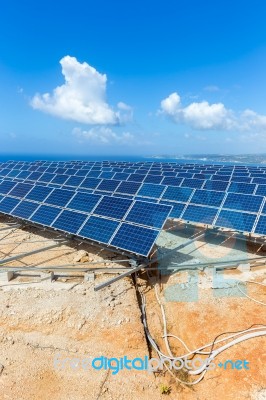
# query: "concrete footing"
{"type": "Point", "coordinates": [6, 276]}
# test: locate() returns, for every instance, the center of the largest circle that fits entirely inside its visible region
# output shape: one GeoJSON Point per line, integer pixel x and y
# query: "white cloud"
{"type": "Point", "coordinates": [82, 97]}
{"type": "Point", "coordinates": [205, 116]}
{"type": "Point", "coordinates": [103, 135]}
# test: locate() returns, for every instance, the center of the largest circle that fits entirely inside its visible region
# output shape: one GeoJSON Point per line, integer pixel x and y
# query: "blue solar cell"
{"type": "Point", "coordinates": [6, 186]}
{"type": "Point", "coordinates": [184, 175]}
{"type": "Point", "coordinates": [176, 210]}
{"type": "Point", "coordinates": [204, 215]}
{"type": "Point", "coordinates": [7, 204]}
{"type": "Point", "coordinates": [84, 202]}
{"type": "Point", "coordinates": [99, 229]}
{"type": "Point", "coordinates": [128, 187]}
{"type": "Point", "coordinates": [121, 176]}
{"type": "Point", "coordinates": [45, 215]}
{"type": "Point", "coordinates": [151, 190]}
{"type": "Point", "coordinates": [60, 170]}
{"type": "Point", "coordinates": [243, 202]}
{"type": "Point", "coordinates": [264, 209]}
{"type": "Point", "coordinates": [5, 171]}
{"type": "Point", "coordinates": [25, 209]}
{"type": "Point", "coordinates": [69, 221]}
{"type": "Point", "coordinates": [261, 190]}
{"type": "Point", "coordinates": [20, 190]}
{"type": "Point", "coordinates": [215, 185]}
{"type": "Point", "coordinates": [113, 207]}
{"type": "Point", "coordinates": [13, 173]}
{"type": "Point", "coordinates": [82, 172]}
{"type": "Point", "coordinates": [259, 181]}
{"type": "Point", "coordinates": [74, 181]}
{"type": "Point", "coordinates": [192, 183]}
{"type": "Point", "coordinates": [91, 183]}
{"type": "Point", "coordinates": [172, 181]}
{"type": "Point", "coordinates": [34, 176]}
{"type": "Point", "coordinates": [46, 177]}
{"type": "Point", "coordinates": [60, 179]}
{"type": "Point", "coordinates": [153, 179]}
{"type": "Point", "coordinates": [261, 225]}
{"type": "Point", "coordinates": [243, 179]}
{"type": "Point", "coordinates": [39, 193]}
{"type": "Point", "coordinates": [135, 239]}
{"type": "Point", "coordinates": [240, 187]}
{"type": "Point", "coordinates": [109, 185]}
{"type": "Point", "coordinates": [237, 220]}
{"type": "Point", "coordinates": [94, 174]}
{"type": "Point", "coordinates": [59, 197]}
{"type": "Point", "coordinates": [149, 214]}
{"type": "Point", "coordinates": [202, 176]}
{"type": "Point", "coordinates": [207, 197]}
{"type": "Point", "coordinates": [177, 194]}
{"type": "Point", "coordinates": [23, 174]}
{"type": "Point", "coordinates": [225, 178]}
{"type": "Point", "coordinates": [107, 175]}
{"type": "Point", "coordinates": [136, 177]}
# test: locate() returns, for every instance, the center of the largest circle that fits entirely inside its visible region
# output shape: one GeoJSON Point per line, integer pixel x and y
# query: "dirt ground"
{"type": "Point", "coordinates": [42, 322]}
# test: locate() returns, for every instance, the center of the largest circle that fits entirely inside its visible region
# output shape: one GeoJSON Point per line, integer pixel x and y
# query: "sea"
{"type": "Point", "coordinates": [132, 158]}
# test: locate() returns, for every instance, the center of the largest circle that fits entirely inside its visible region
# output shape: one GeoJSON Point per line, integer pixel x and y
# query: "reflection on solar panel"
{"type": "Point", "coordinates": [99, 229]}
{"type": "Point", "coordinates": [134, 238]}
{"type": "Point", "coordinates": [204, 215]}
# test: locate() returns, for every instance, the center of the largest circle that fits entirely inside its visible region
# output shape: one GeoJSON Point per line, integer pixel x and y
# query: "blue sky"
{"type": "Point", "coordinates": [133, 77]}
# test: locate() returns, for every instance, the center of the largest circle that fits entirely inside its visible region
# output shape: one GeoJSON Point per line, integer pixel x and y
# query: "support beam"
{"type": "Point", "coordinates": [117, 278]}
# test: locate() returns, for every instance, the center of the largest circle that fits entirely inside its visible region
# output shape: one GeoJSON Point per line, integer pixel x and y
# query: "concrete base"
{"type": "Point", "coordinates": [89, 277]}
{"type": "Point", "coordinates": [47, 276]}
{"type": "Point", "coordinates": [244, 267]}
{"type": "Point", "coordinates": [6, 276]}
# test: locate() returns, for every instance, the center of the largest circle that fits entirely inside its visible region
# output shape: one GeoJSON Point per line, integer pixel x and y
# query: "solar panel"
{"type": "Point", "coordinates": [113, 207]}
{"type": "Point", "coordinates": [6, 186]}
{"type": "Point", "coordinates": [91, 183]}
{"type": "Point", "coordinates": [45, 215]}
{"type": "Point", "coordinates": [240, 187]}
{"type": "Point", "coordinates": [261, 225]}
{"type": "Point", "coordinates": [176, 210]}
{"type": "Point", "coordinates": [136, 177]}
{"type": "Point", "coordinates": [215, 185]}
{"type": "Point", "coordinates": [59, 197]}
{"type": "Point", "coordinates": [236, 220]}
{"type": "Point", "coordinates": [69, 221]}
{"type": "Point", "coordinates": [207, 197]}
{"type": "Point", "coordinates": [172, 181]}
{"type": "Point", "coordinates": [243, 202]}
{"type": "Point", "coordinates": [98, 229]}
{"type": "Point", "coordinates": [192, 183]}
{"type": "Point", "coordinates": [128, 187]}
{"type": "Point", "coordinates": [135, 239]}
{"type": "Point", "coordinates": [261, 190]}
{"type": "Point", "coordinates": [205, 215]}
{"type": "Point", "coordinates": [177, 194]}
{"type": "Point", "coordinates": [7, 204]}
{"type": "Point", "coordinates": [153, 179]}
{"type": "Point", "coordinates": [20, 190]}
{"type": "Point", "coordinates": [84, 202]}
{"type": "Point", "coordinates": [74, 181]}
{"type": "Point", "coordinates": [149, 214]}
{"type": "Point", "coordinates": [39, 193]}
{"type": "Point", "coordinates": [24, 209]}
{"type": "Point", "coordinates": [108, 185]}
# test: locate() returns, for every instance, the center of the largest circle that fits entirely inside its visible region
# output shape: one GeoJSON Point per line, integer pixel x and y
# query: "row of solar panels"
{"type": "Point", "coordinates": [242, 212]}
{"type": "Point", "coordinates": [142, 185]}
{"type": "Point", "coordinates": [148, 164]}
{"type": "Point", "coordinates": [153, 167]}
{"type": "Point", "coordinates": [122, 223]}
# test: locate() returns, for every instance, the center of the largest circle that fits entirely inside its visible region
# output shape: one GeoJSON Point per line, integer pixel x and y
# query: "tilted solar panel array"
{"type": "Point", "coordinates": [219, 195]}
{"type": "Point", "coordinates": [121, 223]}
